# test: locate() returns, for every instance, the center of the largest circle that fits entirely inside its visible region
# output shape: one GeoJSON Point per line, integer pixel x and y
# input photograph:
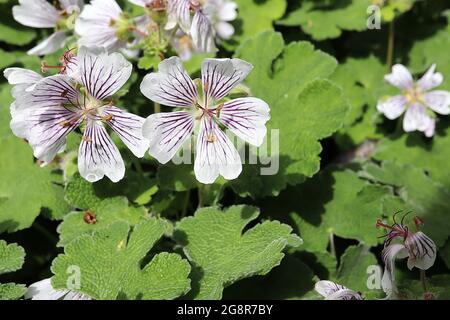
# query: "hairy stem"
{"type": "Point", "coordinates": [332, 246]}
{"type": "Point", "coordinates": [423, 279]}
{"type": "Point", "coordinates": [390, 46]}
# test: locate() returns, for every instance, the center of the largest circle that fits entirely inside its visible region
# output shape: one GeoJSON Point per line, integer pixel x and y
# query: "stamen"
{"type": "Point", "coordinates": [45, 67]}
{"type": "Point", "coordinates": [107, 118]}
{"type": "Point", "coordinates": [418, 222]}
{"type": "Point", "coordinates": [211, 137]}
{"type": "Point", "coordinates": [87, 139]}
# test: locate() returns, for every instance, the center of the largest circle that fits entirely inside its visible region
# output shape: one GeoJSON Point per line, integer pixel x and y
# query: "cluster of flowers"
{"type": "Point", "coordinates": [189, 25]}
{"type": "Point", "coordinates": [47, 109]}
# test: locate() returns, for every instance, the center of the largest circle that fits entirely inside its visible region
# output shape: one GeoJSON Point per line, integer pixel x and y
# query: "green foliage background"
{"type": "Point", "coordinates": [321, 71]}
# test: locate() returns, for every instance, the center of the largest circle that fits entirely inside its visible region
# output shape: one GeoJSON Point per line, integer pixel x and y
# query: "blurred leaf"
{"type": "Point", "coordinates": [324, 22]}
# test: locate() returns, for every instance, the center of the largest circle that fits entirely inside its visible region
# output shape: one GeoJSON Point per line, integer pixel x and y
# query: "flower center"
{"type": "Point", "coordinates": [413, 95]}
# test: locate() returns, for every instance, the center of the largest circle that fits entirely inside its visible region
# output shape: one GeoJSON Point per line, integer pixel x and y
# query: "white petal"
{"type": "Point", "coordinates": [326, 287]}
{"type": "Point", "coordinates": [202, 33]}
{"type": "Point", "coordinates": [36, 13]}
{"type": "Point", "coordinates": [215, 154]}
{"type": "Point", "coordinates": [43, 290]}
{"type": "Point", "coordinates": [49, 92]}
{"type": "Point", "coordinates": [224, 30]}
{"type": "Point", "coordinates": [167, 132]}
{"type": "Point", "coordinates": [430, 79]}
{"type": "Point", "coordinates": [392, 107]}
{"type": "Point", "coordinates": [389, 254]}
{"type": "Point", "coordinates": [98, 155]}
{"type": "Point", "coordinates": [246, 118]}
{"type": "Point", "coordinates": [103, 74]}
{"type": "Point", "coordinates": [128, 127]}
{"type": "Point", "coordinates": [416, 118]}
{"type": "Point", "coordinates": [171, 85]}
{"type": "Point", "coordinates": [49, 45]}
{"type": "Point", "coordinates": [21, 76]}
{"type": "Point", "coordinates": [47, 129]}
{"type": "Point", "coordinates": [429, 131]}
{"type": "Point", "coordinates": [345, 294]}
{"type": "Point", "coordinates": [438, 101]}
{"type": "Point", "coordinates": [421, 249]}
{"type": "Point", "coordinates": [220, 76]}
{"type": "Point", "coordinates": [228, 11]}
{"type": "Point", "coordinates": [95, 27]}
{"type": "Point", "coordinates": [179, 13]}
{"type": "Point", "coordinates": [400, 77]}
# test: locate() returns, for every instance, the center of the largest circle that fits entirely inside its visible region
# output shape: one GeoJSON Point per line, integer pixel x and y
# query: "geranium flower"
{"type": "Point", "coordinates": [333, 291]}
{"type": "Point", "coordinates": [59, 104]}
{"type": "Point", "coordinates": [419, 102]}
{"type": "Point", "coordinates": [43, 290]}
{"type": "Point", "coordinates": [211, 18]}
{"type": "Point", "coordinates": [103, 23]}
{"type": "Point", "coordinates": [215, 153]}
{"type": "Point", "coordinates": [402, 243]}
{"type": "Point", "coordinates": [41, 14]}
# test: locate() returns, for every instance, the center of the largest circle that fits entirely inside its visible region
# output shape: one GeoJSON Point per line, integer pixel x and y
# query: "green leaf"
{"type": "Point", "coordinates": [254, 16]}
{"type": "Point", "coordinates": [16, 34]}
{"type": "Point", "coordinates": [110, 261]}
{"type": "Point", "coordinates": [425, 197]}
{"type": "Point", "coordinates": [362, 81]}
{"type": "Point", "coordinates": [292, 279]}
{"type": "Point", "coordinates": [102, 212]}
{"type": "Point", "coordinates": [352, 271]}
{"type": "Point", "coordinates": [25, 188]}
{"type": "Point", "coordinates": [12, 291]}
{"type": "Point", "coordinates": [413, 148]}
{"type": "Point", "coordinates": [11, 259]}
{"type": "Point", "coordinates": [334, 201]}
{"type": "Point", "coordinates": [431, 50]}
{"type": "Point", "coordinates": [325, 22]}
{"type": "Point", "coordinates": [222, 253]}
{"type": "Point", "coordinates": [304, 109]}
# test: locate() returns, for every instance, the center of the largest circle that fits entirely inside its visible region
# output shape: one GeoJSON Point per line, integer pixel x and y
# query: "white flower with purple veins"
{"type": "Point", "coordinates": [204, 114]}
{"type": "Point", "coordinates": [103, 23]}
{"type": "Point", "coordinates": [41, 14]}
{"type": "Point", "coordinates": [43, 290]}
{"type": "Point", "coordinates": [416, 100]}
{"type": "Point", "coordinates": [332, 291]}
{"type": "Point", "coordinates": [59, 104]}
{"type": "Point", "coordinates": [402, 243]}
{"type": "Point", "coordinates": [211, 18]}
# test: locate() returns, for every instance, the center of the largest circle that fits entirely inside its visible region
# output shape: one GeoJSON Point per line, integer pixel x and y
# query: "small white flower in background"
{"type": "Point", "coordinates": [416, 100]}
{"type": "Point", "coordinates": [41, 14]}
{"type": "Point", "coordinates": [43, 290]}
{"type": "Point", "coordinates": [332, 291]}
{"type": "Point", "coordinates": [211, 18]}
{"type": "Point", "coordinates": [58, 104]}
{"type": "Point", "coordinates": [402, 243]}
{"type": "Point", "coordinates": [102, 23]}
{"type": "Point", "coordinates": [215, 153]}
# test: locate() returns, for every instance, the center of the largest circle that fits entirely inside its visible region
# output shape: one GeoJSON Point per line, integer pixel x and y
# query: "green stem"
{"type": "Point", "coordinates": [423, 279]}
{"type": "Point", "coordinates": [185, 205]}
{"type": "Point", "coordinates": [390, 46]}
{"type": "Point", "coordinates": [202, 194]}
{"type": "Point", "coordinates": [157, 107]}
{"type": "Point", "coordinates": [138, 166]}
{"type": "Point", "coordinates": [332, 246]}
